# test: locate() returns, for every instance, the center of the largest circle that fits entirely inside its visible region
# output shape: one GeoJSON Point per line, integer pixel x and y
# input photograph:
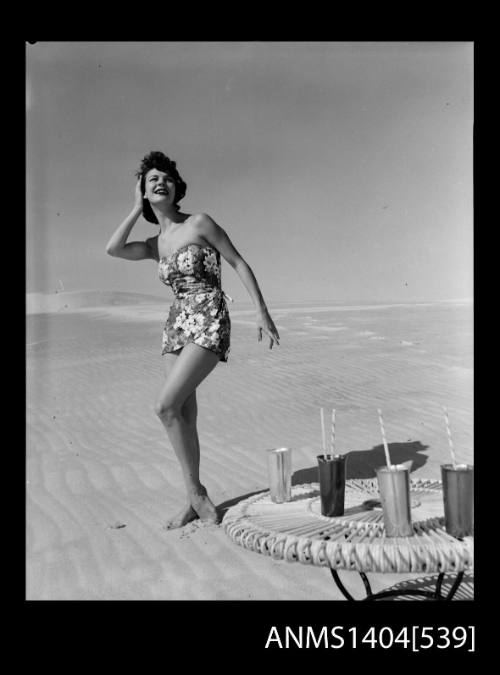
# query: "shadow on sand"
{"type": "Point", "coordinates": [360, 464]}
{"type": "Point", "coordinates": [222, 508]}
{"type": "Point", "coordinates": [465, 590]}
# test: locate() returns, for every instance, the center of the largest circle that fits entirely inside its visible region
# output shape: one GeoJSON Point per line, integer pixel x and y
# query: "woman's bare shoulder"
{"type": "Point", "coordinates": [208, 230]}
{"type": "Point", "coordinates": [204, 224]}
{"type": "Point", "coordinates": [197, 218]}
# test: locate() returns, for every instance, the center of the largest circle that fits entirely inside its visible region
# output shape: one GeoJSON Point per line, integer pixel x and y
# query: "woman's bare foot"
{"type": "Point", "coordinates": [204, 507]}
{"type": "Point", "coordinates": [185, 516]}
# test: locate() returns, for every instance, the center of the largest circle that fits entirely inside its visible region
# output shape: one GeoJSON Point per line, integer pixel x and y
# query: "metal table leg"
{"type": "Point", "coordinates": [455, 586]}
{"type": "Point", "coordinates": [341, 586]}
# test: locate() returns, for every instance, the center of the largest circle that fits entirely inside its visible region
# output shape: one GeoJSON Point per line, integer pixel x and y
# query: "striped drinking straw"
{"type": "Point", "coordinates": [450, 442]}
{"type": "Point", "coordinates": [333, 434]}
{"type": "Point", "coordinates": [386, 447]}
{"type": "Point", "coordinates": [323, 433]}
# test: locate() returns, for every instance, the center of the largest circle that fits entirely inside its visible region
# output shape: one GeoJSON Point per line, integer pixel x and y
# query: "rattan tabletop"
{"type": "Point", "coordinates": [296, 531]}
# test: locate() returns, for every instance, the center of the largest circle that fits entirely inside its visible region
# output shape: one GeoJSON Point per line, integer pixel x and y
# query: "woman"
{"type": "Point", "coordinates": [197, 332]}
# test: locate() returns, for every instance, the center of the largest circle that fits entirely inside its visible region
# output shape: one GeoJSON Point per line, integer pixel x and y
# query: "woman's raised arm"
{"type": "Point", "coordinates": [135, 250]}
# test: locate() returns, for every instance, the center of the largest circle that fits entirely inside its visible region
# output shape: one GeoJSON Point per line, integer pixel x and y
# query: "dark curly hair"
{"type": "Point", "coordinates": [158, 160]}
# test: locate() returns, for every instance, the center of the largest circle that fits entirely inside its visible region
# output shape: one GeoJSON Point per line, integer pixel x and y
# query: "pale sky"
{"type": "Point", "coordinates": [342, 172]}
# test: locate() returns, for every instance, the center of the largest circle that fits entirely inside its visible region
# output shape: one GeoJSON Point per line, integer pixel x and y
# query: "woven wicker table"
{"type": "Point", "coordinates": [297, 532]}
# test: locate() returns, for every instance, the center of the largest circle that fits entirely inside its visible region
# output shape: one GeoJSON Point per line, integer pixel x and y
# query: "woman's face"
{"type": "Point", "coordinates": [159, 187]}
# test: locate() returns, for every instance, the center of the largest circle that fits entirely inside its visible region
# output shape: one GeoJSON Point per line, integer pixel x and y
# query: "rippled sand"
{"type": "Point", "coordinates": [102, 478]}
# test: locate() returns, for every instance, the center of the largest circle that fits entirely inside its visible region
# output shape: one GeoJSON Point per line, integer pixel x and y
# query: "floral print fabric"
{"type": "Point", "coordinates": [199, 312]}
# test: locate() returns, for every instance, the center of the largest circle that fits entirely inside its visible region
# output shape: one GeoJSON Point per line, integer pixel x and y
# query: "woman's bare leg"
{"type": "Point", "coordinates": [176, 407]}
{"type": "Point", "coordinates": [189, 411]}
{"type": "Point", "coordinates": [187, 513]}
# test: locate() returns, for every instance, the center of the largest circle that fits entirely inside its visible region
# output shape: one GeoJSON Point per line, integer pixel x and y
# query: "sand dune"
{"type": "Point", "coordinates": [102, 478]}
{"type": "Point", "coordinates": [37, 303]}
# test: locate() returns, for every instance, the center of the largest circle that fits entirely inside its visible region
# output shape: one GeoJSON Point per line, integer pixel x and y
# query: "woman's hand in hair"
{"type": "Point", "coordinates": [138, 195]}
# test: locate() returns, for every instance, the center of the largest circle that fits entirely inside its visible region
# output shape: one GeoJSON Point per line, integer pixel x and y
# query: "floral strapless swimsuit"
{"type": "Point", "coordinates": [199, 312]}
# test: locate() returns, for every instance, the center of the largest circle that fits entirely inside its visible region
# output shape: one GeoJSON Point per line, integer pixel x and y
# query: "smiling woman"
{"type": "Point", "coordinates": [196, 335]}
{"type": "Point", "coordinates": [152, 166]}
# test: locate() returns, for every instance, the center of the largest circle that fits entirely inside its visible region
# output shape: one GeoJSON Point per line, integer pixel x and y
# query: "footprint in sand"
{"type": "Point", "coordinates": [194, 526]}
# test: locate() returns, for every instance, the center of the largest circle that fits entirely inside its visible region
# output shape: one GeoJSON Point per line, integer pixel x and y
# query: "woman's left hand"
{"type": "Point", "coordinates": [266, 324]}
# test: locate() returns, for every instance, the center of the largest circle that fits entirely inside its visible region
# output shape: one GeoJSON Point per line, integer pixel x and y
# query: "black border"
{"type": "Point", "coordinates": [216, 628]}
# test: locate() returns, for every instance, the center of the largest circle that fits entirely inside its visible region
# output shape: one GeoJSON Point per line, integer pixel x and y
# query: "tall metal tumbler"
{"type": "Point", "coordinates": [458, 497]}
{"type": "Point", "coordinates": [331, 472]}
{"type": "Point", "coordinates": [279, 464]}
{"type": "Point", "coordinates": [394, 486]}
